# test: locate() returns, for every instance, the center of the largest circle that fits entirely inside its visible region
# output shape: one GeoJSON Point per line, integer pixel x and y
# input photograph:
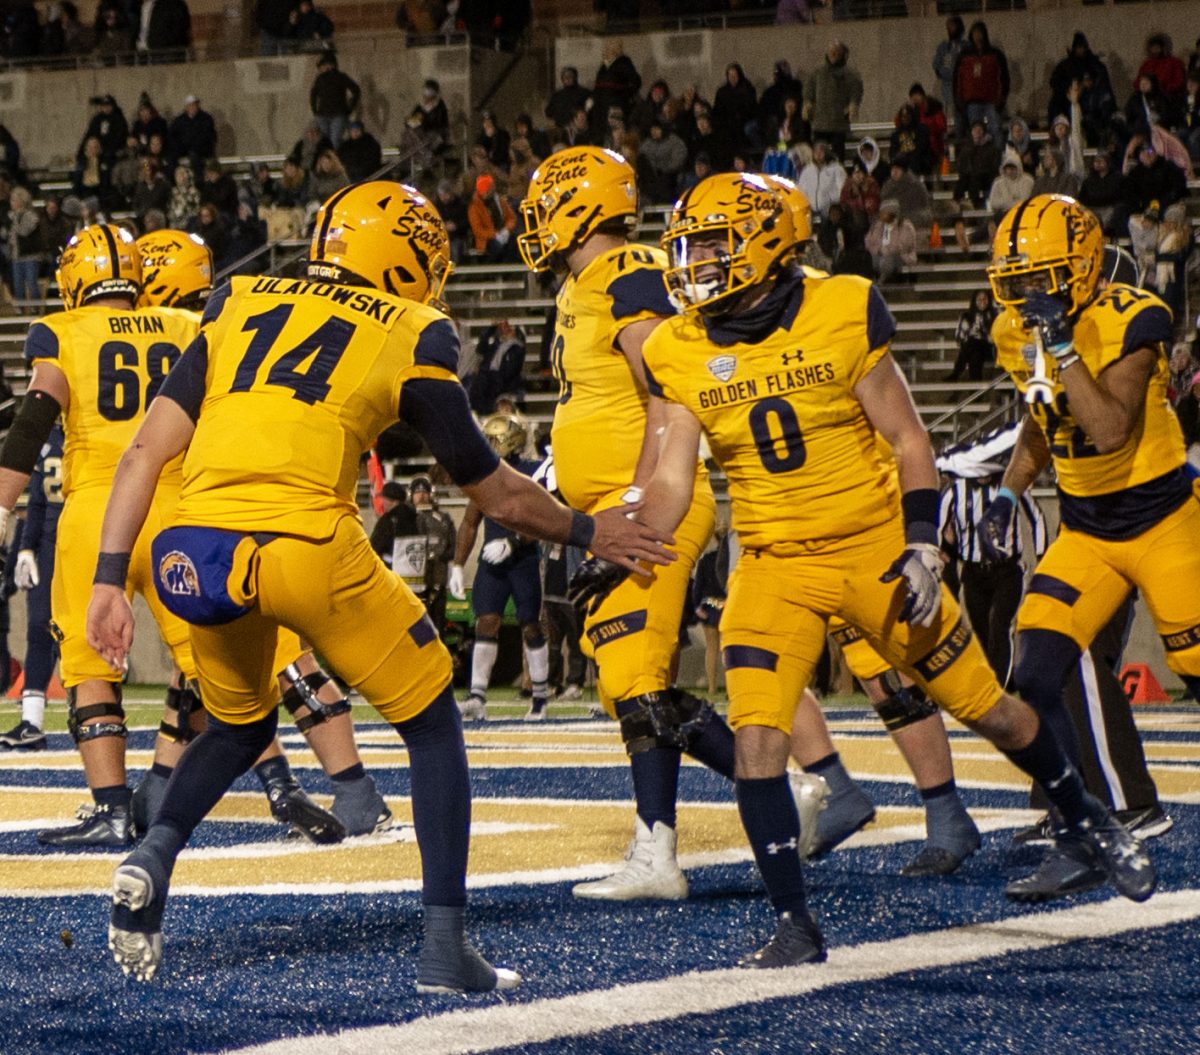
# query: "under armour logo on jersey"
{"type": "Point", "coordinates": [722, 367]}
{"type": "Point", "coordinates": [774, 848]}
{"type": "Point", "coordinates": [792, 357]}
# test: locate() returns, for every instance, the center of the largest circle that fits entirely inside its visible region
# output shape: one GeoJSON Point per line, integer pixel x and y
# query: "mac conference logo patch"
{"type": "Point", "coordinates": [722, 367]}
{"type": "Point", "coordinates": [178, 575]}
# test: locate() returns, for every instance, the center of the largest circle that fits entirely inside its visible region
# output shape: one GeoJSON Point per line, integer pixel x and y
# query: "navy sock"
{"type": "Point", "coordinates": [655, 777]}
{"type": "Point", "coordinates": [276, 768]}
{"type": "Point", "coordinates": [441, 798]}
{"type": "Point", "coordinates": [714, 747]}
{"type": "Point", "coordinates": [830, 767]}
{"type": "Point", "coordinates": [354, 772]}
{"type": "Point", "coordinates": [159, 770]}
{"type": "Point", "coordinates": [113, 795]}
{"type": "Point", "coordinates": [938, 791]}
{"type": "Point", "coordinates": [1044, 760]}
{"type": "Point", "coordinates": [772, 824]}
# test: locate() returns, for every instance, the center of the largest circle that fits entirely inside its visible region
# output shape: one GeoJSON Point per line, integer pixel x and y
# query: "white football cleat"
{"type": "Point", "coordinates": [473, 709]}
{"type": "Point", "coordinates": [811, 792]}
{"type": "Point", "coordinates": [650, 871]}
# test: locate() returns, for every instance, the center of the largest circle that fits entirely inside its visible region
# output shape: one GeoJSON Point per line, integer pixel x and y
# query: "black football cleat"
{"type": "Point", "coordinates": [101, 826]}
{"type": "Point", "coordinates": [1039, 833]}
{"type": "Point", "coordinates": [796, 940]}
{"type": "Point", "coordinates": [1118, 852]}
{"type": "Point", "coordinates": [292, 805]}
{"type": "Point", "coordinates": [24, 736]}
{"type": "Point", "coordinates": [1148, 822]}
{"type": "Point", "coordinates": [1069, 867]}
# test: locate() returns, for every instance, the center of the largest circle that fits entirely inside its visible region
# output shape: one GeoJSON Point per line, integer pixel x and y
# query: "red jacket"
{"type": "Point", "coordinates": [981, 77]}
{"type": "Point", "coordinates": [1169, 71]}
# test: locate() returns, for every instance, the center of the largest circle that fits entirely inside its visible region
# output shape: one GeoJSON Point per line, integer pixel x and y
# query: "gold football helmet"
{"type": "Point", "coordinates": [797, 204]}
{"type": "Point", "coordinates": [177, 270]}
{"type": "Point", "coordinates": [507, 434]}
{"type": "Point", "coordinates": [382, 234]}
{"type": "Point", "coordinates": [1048, 244]}
{"type": "Point", "coordinates": [728, 233]}
{"type": "Point", "coordinates": [571, 194]}
{"type": "Point", "coordinates": [100, 261]}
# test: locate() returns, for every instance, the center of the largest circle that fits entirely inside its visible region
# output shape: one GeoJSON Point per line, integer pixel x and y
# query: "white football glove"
{"type": "Point", "coordinates": [25, 570]}
{"type": "Point", "coordinates": [920, 565]}
{"type": "Point", "coordinates": [497, 551]}
{"type": "Point", "coordinates": [455, 583]}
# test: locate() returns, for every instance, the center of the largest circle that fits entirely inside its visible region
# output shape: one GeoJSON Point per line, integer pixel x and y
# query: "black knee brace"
{"type": "Point", "coordinates": [669, 718]}
{"type": "Point", "coordinates": [906, 705]}
{"type": "Point", "coordinates": [76, 716]}
{"type": "Point", "coordinates": [1192, 682]}
{"type": "Point", "coordinates": [303, 693]}
{"type": "Point", "coordinates": [185, 701]}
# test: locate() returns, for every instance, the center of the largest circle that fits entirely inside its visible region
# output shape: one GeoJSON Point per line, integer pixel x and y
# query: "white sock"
{"type": "Point", "coordinates": [538, 660]}
{"type": "Point", "coordinates": [33, 708]}
{"type": "Point", "coordinates": [482, 661]}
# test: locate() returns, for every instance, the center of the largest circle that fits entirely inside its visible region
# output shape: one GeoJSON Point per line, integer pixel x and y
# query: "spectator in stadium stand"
{"type": "Point", "coordinates": [701, 168]}
{"type": "Point", "coordinates": [493, 223]}
{"type": "Point", "coordinates": [1080, 64]}
{"type": "Point", "coordinates": [788, 127]}
{"type": "Point", "coordinates": [734, 106]}
{"type": "Point", "coordinates": [783, 86]}
{"type": "Point", "coordinates": [932, 115]}
{"type": "Point", "coordinates": [1175, 245]}
{"type": "Point", "coordinates": [1168, 71]}
{"type": "Point", "coordinates": [56, 229]}
{"type": "Point", "coordinates": [860, 197]}
{"type": "Point", "coordinates": [329, 176]}
{"type": "Point", "coordinates": [433, 107]}
{"type": "Point", "coordinates": [271, 17]}
{"type": "Point", "coordinates": [617, 83]}
{"type": "Point", "coordinates": [1099, 104]}
{"type": "Point", "coordinates": [10, 152]}
{"type": "Point", "coordinates": [209, 225]}
{"type": "Point", "coordinates": [24, 246]}
{"type": "Point", "coordinates": [292, 189]}
{"type": "Point", "coordinates": [333, 97]}
{"type": "Point", "coordinates": [832, 95]}
{"type": "Point", "coordinates": [148, 122]}
{"type": "Point", "coordinates": [263, 186]}
{"type": "Point", "coordinates": [418, 18]}
{"type": "Point", "coordinates": [539, 142]}
{"type": "Point", "coordinates": [910, 192]}
{"type": "Point", "coordinates": [154, 220]}
{"type": "Point", "coordinates": [710, 142]}
{"type": "Point", "coordinates": [1102, 192]}
{"type": "Point", "coordinates": [454, 20]}
{"type": "Point", "coordinates": [657, 106]}
{"type": "Point", "coordinates": [1151, 186]}
{"type": "Point", "coordinates": [910, 142]}
{"type": "Point", "coordinates": [193, 135]}
{"type": "Point", "coordinates": [974, 337]}
{"type": "Point", "coordinates": [521, 164]}
{"type": "Point", "coordinates": [1148, 104]}
{"type": "Point", "coordinates": [494, 139]}
{"type": "Point", "coordinates": [126, 168]}
{"type": "Point", "coordinates": [945, 62]}
{"type": "Point", "coordinates": [578, 132]}
{"type": "Point", "coordinates": [685, 111]}
{"type": "Point", "coordinates": [793, 13]}
{"type": "Point", "coordinates": [1052, 176]}
{"type": "Point", "coordinates": [246, 234]}
{"type": "Point", "coordinates": [981, 82]}
{"type": "Point", "coordinates": [185, 199]}
{"type": "Point", "coordinates": [822, 180]}
{"type": "Point", "coordinates": [93, 174]}
{"type": "Point", "coordinates": [868, 153]}
{"type": "Point", "coordinates": [500, 353]}
{"type": "Point", "coordinates": [567, 98]}
{"type": "Point", "coordinates": [978, 163]}
{"type": "Point", "coordinates": [479, 164]}
{"type": "Point", "coordinates": [1013, 186]}
{"type": "Point", "coordinates": [360, 152]}
{"type": "Point", "coordinates": [452, 207]}
{"type": "Point", "coordinates": [63, 33]}
{"type": "Point", "coordinates": [660, 161]}
{"type": "Point", "coordinates": [113, 36]}
{"type": "Point", "coordinates": [1189, 124]}
{"type": "Point", "coordinates": [309, 27]}
{"type": "Point", "coordinates": [22, 32]}
{"type": "Point", "coordinates": [152, 190]}
{"type": "Point", "coordinates": [166, 25]}
{"type": "Point", "coordinates": [310, 146]}
{"type": "Point", "coordinates": [107, 126]}
{"type": "Point", "coordinates": [892, 241]}
{"type": "Point", "coordinates": [219, 189]}
{"type": "Point", "coordinates": [621, 138]}
{"type": "Point", "coordinates": [156, 150]}
{"type": "Point", "coordinates": [1020, 142]}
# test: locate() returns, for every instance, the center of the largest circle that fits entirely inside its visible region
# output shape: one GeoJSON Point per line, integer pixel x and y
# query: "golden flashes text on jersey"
{"type": "Point", "coordinates": [772, 385]}
{"type": "Point", "coordinates": [375, 308]}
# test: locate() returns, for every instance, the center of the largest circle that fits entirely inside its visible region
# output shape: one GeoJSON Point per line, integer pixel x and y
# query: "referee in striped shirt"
{"type": "Point", "coordinates": [991, 589]}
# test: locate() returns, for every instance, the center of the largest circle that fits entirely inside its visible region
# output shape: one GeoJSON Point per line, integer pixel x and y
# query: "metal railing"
{"type": "Point", "coordinates": [968, 419]}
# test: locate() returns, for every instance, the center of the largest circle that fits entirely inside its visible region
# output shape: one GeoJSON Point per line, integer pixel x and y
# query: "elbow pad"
{"type": "Point", "coordinates": [30, 430]}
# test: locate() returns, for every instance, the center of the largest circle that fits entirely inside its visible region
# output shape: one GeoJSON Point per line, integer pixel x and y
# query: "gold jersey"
{"type": "Point", "coordinates": [325, 365]}
{"type": "Point", "coordinates": [781, 415]}
{"type": "Point", "coordinates": [601, 412]}
{"type": "Point", "coordinates": [114, 362]}
{"type": "Point", "coordinates": [1118, 323]}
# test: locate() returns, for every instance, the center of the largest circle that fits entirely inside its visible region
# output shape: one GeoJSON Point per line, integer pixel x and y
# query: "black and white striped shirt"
{"type": "Point", "coordinates": [963, 504]}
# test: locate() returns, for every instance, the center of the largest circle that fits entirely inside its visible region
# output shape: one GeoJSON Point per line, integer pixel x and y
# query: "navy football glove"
{"type": "Point", "coordinates": [593, 581]}
{"type": "Point", "coordinates": [920, 565]}
{"type": "Point", "coordinates": [1048, 315]}
{"type": "Point", "coordinates": [995, 526]}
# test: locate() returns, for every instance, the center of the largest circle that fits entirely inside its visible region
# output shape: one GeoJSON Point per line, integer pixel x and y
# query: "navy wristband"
{"type": "Point", "coordinates": [112, 569]}
{"type": "Point", "coordinates": [920, 515]}
{"type": "Point", "coordinates": [583, 527]}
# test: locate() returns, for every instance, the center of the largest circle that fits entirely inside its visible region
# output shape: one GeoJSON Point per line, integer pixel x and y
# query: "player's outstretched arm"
{"type": "Point", "coordinates": [165, 433]}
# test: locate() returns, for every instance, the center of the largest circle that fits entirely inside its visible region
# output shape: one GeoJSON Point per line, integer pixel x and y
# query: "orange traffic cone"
{"type": "Point", "coordinates": [54, 691]}
{"type": "Point", "coordinates": [1141, 686]}
{"type": "Point", "coordinates": [935, 237]}
{"type": "Point", "coordinates": [945, 165]}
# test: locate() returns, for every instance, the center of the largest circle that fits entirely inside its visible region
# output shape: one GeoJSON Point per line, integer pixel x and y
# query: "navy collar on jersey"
{"type": "Point", "coordinates": [776, 311]}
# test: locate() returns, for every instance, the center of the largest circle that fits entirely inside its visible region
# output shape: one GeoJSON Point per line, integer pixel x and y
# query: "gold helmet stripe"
{"type": "Point", "coordinates": [329, 207]}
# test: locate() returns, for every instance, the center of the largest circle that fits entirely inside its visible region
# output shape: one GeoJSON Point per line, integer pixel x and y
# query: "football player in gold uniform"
{"type": "Point", "coordinates": [1091, 363]}
{"type": "Point", "coordinates": [789, 377]}
{"type": "Point", "coordinates": [579, 211]}
{"type": "Point", "coordinates": [274, 404]}
{"type": "Point", "coordinates": [177, 272]}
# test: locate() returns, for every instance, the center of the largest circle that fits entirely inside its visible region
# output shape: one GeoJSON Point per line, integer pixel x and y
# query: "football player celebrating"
{"type": "Point", "coordinates": [1092, 365]}
{"type": "Point", "coordinates": [789, 376]}
{"type": "Point", "coordinates": [579, 211]}
{"type": "Point", "coordinates": [274, 404]}
{"type": "Point", "coordinates": [509, 566]}
{"type": "Point", "coordinates": [177, 272]}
